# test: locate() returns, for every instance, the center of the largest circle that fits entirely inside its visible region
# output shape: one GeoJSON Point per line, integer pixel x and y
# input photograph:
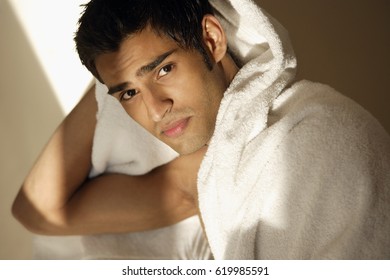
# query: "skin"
{"type": "Point", "coordinates": [57, 199]}
{"type": "Point", "coordinates": [169, 90]}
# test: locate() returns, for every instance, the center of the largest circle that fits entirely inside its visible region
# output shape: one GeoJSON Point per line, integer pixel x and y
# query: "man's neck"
{"type": "Point", "coordinates": [230, 68]}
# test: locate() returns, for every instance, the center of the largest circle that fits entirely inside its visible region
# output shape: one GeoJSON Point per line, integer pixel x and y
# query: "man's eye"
{"type": "Point", "coordinates": [128, 94]}
{"type": "Point", "coordinates": [165, 70]}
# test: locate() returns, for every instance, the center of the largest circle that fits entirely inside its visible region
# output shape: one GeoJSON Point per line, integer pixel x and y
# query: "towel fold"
{"type": "Point", "coordinates": [293, 170]}
{"type": "Point", "coordinates": [121, 145]}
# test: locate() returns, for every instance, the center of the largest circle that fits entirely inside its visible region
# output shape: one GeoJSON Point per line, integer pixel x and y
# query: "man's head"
{"type": "Point", "coordinates": [164, 60]}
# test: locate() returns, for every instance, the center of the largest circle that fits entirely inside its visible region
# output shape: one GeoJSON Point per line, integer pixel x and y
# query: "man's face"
{"type": "Point", "coordinates": [168, 90]}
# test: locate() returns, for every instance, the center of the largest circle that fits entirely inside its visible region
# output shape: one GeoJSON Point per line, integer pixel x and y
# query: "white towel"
{"type": "Point", "coordinates": [308, 168]}
{"type": "Point", "coordinates": [293, 171]}
{"type": "Point", "coordinates": [121, 145]}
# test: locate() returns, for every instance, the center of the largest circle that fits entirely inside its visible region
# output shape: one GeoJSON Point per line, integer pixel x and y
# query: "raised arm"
{"type": "Point", "coordinates": [57, 199]}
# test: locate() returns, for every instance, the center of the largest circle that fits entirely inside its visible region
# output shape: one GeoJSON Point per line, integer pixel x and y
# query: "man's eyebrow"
{"type": "Point", "coordinates": [117, 88]}
{"type": "Point", "coordinates": [142, 71]}
{"type": "Point", "coordinates": [152, 65]}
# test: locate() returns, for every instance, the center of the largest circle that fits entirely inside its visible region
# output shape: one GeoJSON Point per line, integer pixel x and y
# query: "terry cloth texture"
{"type": "Point", "coordinates": [294, 170]}
{"type": "Point", "coordinates": [122, 146]}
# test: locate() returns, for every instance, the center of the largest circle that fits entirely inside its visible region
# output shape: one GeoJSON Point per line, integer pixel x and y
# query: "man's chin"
{"type": "Point", "coordinates": [189, 149]}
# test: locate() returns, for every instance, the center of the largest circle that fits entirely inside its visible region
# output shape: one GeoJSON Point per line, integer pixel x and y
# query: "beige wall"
{"type": "Point", "coordinates": [342, 43]}
{"type": "Point", "coordinates": [28, 115]}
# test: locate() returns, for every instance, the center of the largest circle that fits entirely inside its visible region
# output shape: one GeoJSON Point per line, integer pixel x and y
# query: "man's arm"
{"type": "Point", "coordinates": [57, 199]}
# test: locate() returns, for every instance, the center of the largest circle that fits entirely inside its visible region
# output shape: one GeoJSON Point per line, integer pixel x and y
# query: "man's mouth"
{"type": "Point", "coordinates": [176, 128]}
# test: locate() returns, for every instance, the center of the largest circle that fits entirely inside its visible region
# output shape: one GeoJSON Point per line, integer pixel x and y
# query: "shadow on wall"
{"type": "Point", "coordinates": [344, 44]}
{"type": "Point", "coordinates": [29, 113]}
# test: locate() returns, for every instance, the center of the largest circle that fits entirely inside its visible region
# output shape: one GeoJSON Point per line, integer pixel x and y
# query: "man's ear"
{"type": "Point", "coordinates": [214, 37]}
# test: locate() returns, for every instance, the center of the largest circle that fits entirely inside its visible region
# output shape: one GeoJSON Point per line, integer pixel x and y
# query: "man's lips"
{"type": "Point", "coordinates": [175, 129]}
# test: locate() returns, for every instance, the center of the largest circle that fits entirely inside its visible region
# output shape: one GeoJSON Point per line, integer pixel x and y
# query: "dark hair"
{"type": "Point", "coordinates": [104, 24]}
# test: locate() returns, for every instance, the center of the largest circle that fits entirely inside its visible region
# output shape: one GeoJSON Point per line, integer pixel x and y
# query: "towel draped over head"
{"type": "Point", "coordinates": [293, 170]}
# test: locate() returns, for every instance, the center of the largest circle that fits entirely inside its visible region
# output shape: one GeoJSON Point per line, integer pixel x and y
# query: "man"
{"type": "Point", "coordinates": [292, 170]}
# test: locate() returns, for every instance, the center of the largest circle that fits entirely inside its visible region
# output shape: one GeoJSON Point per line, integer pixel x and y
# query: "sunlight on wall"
{"type": "Point", "coordinates": [50, 26]}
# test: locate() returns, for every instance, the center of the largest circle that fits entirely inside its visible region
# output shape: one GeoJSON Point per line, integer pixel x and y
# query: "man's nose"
{"type": "Point", "coordinates": [157, 103]}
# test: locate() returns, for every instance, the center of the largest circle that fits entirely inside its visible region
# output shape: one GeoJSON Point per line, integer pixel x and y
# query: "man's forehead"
{"type": "Point", "coordinates": [136, 52]}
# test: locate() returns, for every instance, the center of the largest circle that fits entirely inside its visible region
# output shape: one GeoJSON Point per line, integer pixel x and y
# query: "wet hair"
{"type": "Point", "coordinates": [104, 24]}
